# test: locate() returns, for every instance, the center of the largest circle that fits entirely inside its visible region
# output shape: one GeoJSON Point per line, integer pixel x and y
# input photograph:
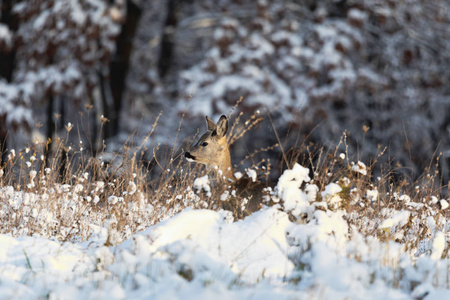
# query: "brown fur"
{"type": "Point", "coordinates": [216, 153]}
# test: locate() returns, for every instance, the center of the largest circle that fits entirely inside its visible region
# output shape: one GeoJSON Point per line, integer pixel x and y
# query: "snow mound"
{"type": "Point", "coordinates": [200, 254]}
{"type": "Point", "coordinates": [289, 190]}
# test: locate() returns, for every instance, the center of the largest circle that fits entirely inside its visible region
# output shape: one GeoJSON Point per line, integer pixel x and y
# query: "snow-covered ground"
{"type": "Point", "coordinates": [204, 254]}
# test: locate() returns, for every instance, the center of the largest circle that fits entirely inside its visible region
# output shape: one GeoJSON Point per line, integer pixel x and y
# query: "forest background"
{"type": "Point", "coordinates": [378, 70]}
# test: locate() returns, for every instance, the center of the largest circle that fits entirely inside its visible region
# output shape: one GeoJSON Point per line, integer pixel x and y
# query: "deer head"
{"type": "Point", "coordinates": [212, 149]}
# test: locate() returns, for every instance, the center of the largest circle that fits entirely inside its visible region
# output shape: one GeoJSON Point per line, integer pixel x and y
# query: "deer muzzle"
{"type": "Point", "coordinates": [189, 157]}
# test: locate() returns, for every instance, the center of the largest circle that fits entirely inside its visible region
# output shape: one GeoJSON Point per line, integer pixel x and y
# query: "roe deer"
{"type": "Point", "coordinates": [213, 151]}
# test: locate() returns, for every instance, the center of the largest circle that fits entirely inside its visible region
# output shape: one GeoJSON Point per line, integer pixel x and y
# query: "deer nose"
{"type": "Point", "coordinates": [189, 156]}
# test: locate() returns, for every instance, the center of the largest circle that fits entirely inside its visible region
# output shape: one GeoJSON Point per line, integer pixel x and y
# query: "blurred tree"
{"type": "Point", "coordinates": [7, 53]}
{"type": "Point", "coordinates": [66, 55]}
{"type": "Point", "coordinates": [118, 68]}
{"type": "Point", "coordinates": [168, 39]}
{"type": "Point", "coordinates": [345, 65]}
{"type": "Point", "coordinates": [62, 46]}
{"type": "Point", "coordinates": [8, 24]}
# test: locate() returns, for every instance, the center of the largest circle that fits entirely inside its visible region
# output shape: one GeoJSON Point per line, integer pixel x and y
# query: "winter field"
{"type": "Point", "coordinates": [75, 228]}
{"type": "Point", "coordinates": [343, 142]}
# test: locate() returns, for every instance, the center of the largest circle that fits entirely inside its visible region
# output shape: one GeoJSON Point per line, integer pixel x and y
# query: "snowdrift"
{"type": "Point", "coordinates": [204, 254]}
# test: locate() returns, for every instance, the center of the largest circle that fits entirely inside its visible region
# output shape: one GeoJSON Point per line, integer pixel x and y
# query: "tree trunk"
{"type": "Point", "coordinates": [168, 39]}
{"type": "Point", "coordinates": [119, 68]}
{"type": "Point", "coordinates": [6, 67]}
{"type": "Point", "coordinates": [3, 138]}
{"type": "Point", "coordinates": [7, 58]}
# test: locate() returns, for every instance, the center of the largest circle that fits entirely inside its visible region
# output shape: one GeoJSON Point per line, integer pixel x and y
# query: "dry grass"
{"type": "Point", "coordinates": [56, 189]}
{"type": "Point", "coordinates": [369, 199]}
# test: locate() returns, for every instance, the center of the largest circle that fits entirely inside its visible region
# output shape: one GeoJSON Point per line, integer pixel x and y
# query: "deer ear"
{"type": "Point", "coordinates": [210, 124]}
{"type": "Point", "coordinates": [222, 126]}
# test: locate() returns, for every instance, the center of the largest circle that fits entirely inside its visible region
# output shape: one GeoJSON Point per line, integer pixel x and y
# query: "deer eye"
{"type": "Point", "coordinates": [204, 144]}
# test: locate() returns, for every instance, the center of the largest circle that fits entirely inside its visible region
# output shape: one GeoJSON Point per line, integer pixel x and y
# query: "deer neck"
{"type": "Point", "coordinates": [224, 170]}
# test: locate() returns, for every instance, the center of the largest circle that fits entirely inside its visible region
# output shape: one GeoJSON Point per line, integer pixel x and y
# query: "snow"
{"type": "Point", "coordinates": [5, 35]}
{"type": "Point", "coordinates": [357, 14]}
{"type": "Point", "coordinates": [200, 254]}
{"type": "Point", "coordinates": [202, 184]}
{"type": "Point", "coordinates": [288, 189]}
{"type": "Point", "coordinates": [399, 219]}
{"type": "Point", "coordinates": [330, 194]}
{"type": "Point", "coordinates": [438, 246]}
{"type": "Point", "coordinates": [252, 174]}
{"type": "Point", "coordinates": [250, 247]}
{"type": "Point", "coordinates": [40, 20]}
{"type": "Point", "coordinates": [372, 195]}
{"type": "Point", "coordinates": [77, 13]}
{"type": "Point", "coordinates": [19, 114]}
{"type": "Point", "coordinates": [360, 167]}
{"type": "Point", "coordinates": [405, 198]}
{"type": "Point", "coordinates": [204, 254]}
{"type": "Point", "coordinates": [198, 241]}
{"type": "Point", "coordinates": [330, 190]}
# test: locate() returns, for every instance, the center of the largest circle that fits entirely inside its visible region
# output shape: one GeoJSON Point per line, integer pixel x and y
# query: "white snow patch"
{"type": "Point", "coordinates": [438, 246]}
{"type": "Point", "coordinates": [202, 184]}
{"type": "Point", "coordinates": [399, 219]}
{"type": "Point", "coordinates": [360, 167]}
{"type": "Point", "coordinates": [5, 35]}
{"type": "Point", "coordinates": [289, 190]}
{"type": "Point", "coordinates": [252, 174]}
{"type": "Point", "coordinates": [331, 190]}
{"type": "Point", "coordinates": [238, 175]}
{"type": "Point", "coordinates": [372, 195]}
{"type": "Point", "coordinates": [405, 198]}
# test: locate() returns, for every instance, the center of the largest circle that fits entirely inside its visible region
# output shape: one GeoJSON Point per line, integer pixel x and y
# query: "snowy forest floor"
{"type": "Point", "coordinates": [96, 228]}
